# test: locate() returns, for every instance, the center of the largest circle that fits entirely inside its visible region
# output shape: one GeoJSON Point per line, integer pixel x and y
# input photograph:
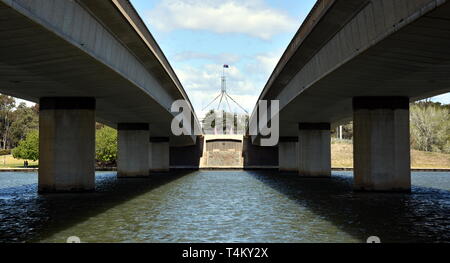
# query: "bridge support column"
{"type": "Point", "coordinates": [133, 150]}
{"type": "Point", "coordinates": [66, 144]}
{"type": "Point", "coordinates": [381, 144]}
{"type": "Point", "coordinates": [288, 154]}
{"type": "Point", "coordinates": [159, 154]}
{"type": "Point", "coordinates": [314, 149]}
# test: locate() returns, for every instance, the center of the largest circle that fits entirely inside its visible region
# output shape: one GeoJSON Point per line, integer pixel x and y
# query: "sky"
{"type": "Point", "coordinates": [199, 36]}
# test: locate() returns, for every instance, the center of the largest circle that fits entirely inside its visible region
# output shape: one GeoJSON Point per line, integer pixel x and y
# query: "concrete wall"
{"type": "Point", "coordinates": [254, 156]}
{"type": "Point", "coordinates": [314, 150]}
{"type": "Point", "coordinates": [133, 153]}
{"type": "Point", "coordinates": [222, 151]}
{"type": "Point", "coordinates": [187, 157]}
{"type": "Point", "coordinates": [381, 146]}
{"type": "Point", "coordinates": [258, 156]}
{"type": "Point", "coordinates": [159, 158]}
{"type": "Point", "coordinates": [66, 146]}
{"type": "Point", "coordinates": [288, 156]}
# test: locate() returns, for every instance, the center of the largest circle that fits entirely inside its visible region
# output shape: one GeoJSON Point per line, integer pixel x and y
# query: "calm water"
{"type": "Point", "coordinates": [219, 206]}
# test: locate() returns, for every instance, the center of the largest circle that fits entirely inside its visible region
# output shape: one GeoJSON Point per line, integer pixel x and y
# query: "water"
{"type": "Point", "coordinates": [225, 206]}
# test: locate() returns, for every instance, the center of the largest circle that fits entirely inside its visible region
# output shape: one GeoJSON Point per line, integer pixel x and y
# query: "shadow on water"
{"type": "Point", "coordinates": [26, 216]}
{"type": "Point", "coordinates": [422, 216]}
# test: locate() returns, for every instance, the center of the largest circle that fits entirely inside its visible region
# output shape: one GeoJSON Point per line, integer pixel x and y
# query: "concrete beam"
{"type": "Point", "coordinates": [381, 144]}
{"type": "Point", "coordinates": [288, 154]}
{"type": "Point", "coordinates": [314, 149]}
{"type": "Point", "coordinates": [64, 48]}
{"type": "Point", "coordinates": [133, 160]}
{"type": "Point", "coordinates": [159, 150]}
{"type": "Point", "coordinates": [66, 144]}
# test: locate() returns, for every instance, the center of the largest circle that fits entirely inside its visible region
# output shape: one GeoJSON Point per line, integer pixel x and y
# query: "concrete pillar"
{"type": "Point", "coordinates": [314, 149]}
{"type": "Point", "coordinates": [288, 154]}
{"type": "Point", "coordinates": [159, 149]}
{"type": "Point", "coordinates": [381, 144]}
{"type": "Point", "coordinates": [66, 144]}
{"type": "Point", "coordinates": [133, 150]}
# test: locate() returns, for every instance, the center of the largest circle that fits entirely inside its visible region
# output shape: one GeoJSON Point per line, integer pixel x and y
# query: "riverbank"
{"type": "Point", "coordinates": [35, 169]}
{"type": "Point", "coordinates": [341, 155]}
{"type": "Point", "coordinates": [9, 162]}
{"type": "Point", "coordinates": [113, 169]}
{"type": "Point", "coordinates": [342, 158]}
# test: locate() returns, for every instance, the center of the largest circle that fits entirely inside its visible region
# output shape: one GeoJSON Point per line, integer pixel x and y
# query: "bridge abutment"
{"type": "Point", "coordinates": [314, 149]}
{"type": "Point", "coordinates": [66, 144]}
{"type": "Point", "coordinates": [133, 160]}
{"type": "Point", "coordinates": [381, 144]}
{"type": "Point", "coordinates": [159, 150]}
{"type": "Point", "coordinates": [288, 154]}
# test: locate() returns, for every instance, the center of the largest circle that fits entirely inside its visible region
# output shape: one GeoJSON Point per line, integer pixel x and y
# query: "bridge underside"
{"type": "Point", "coordinates": [413, 62]}
{"type": "Point", "coordinates": [36, 62]}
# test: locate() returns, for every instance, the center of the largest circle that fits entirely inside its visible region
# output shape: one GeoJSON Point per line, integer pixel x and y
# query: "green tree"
{"type": "Point", "coordinates": [7, 104]}
{"type": "Point", "coordinates": [28, 149]}
{"type": "Point", "coordinates": [430, 127]}
{"type": "Point", "coordinates": [239, 123]}
{"type": "Point", "coordinates": [106, 145]}
{"type": "Point", "coordinates": [209, 122]}
{"type": "Point", "coordinates": [25, 120]}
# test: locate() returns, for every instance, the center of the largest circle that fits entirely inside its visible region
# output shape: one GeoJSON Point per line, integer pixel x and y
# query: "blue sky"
{"type": "Point", "coordinates": [199, 36]}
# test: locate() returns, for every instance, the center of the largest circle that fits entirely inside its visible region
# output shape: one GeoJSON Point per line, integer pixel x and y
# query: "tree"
{"type": "Point", "coordinates": [106, 145]}
{"type": "Point", "coordinates": [25, 119]}
{"type": "Point", "coordinates": [347, 131]}
{"type": "Point", "coordinates": [28, 149]}
{"type": "Point", "coordinates": [99, 125]}
{"type": "Point", "coordinates": [430, 127]}
{"type": "Point", "coordinates": [209, 120]}
{"type": "Point", "coordinates": [225, 122]}
{"type": "Point", "coordinates": [7, 104]}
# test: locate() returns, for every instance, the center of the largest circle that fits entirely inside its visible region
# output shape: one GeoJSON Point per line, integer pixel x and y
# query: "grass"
{"type": "Point", "coordinates": [342, 157]}
{"type": "Point", "coordinates": [8, 161]}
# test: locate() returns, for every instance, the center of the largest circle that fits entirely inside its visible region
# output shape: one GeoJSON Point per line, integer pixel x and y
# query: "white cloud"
{"type": "Point", "coordinates": [268, 61]}
{"type": "Point", "coordinates": [250, 17]}
{"type": "Point", "coordinates": [217, 58]}
{"type": "Point", "coordinates": [264, 63]}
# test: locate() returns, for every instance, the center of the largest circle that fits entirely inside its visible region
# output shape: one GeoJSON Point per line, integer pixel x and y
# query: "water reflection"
{"type": "Point", "coordinates": [219, 206]}
{"type": "Point", "coordinates": [422, 216]}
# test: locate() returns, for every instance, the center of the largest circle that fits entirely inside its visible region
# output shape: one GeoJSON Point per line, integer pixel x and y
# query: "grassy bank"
{"type": "Point", "coordinates": [342, 157]}
{"type": "Point", "coordinates": [7, 161]}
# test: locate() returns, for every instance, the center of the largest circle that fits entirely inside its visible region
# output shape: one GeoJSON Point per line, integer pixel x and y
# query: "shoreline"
{"type": "Point", "coordinates": [113, 169]}
{"type": "Point", "coordinates": [346, 169]}
{"type": "Point", "coordinates": [35, 169]}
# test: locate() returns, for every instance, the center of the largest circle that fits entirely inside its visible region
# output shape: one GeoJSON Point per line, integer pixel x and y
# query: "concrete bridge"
{"type": "Point", "coordinates": [85, 61]}
{"type": "Point", "coordinates": [364, 60]}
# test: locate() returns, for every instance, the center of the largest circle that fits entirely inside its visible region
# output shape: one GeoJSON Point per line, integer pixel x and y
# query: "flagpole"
{"type": "Point", "coordinates": [224, 94]}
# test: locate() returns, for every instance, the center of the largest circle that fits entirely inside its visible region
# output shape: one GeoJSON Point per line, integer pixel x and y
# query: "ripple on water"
{"type": "Point", "coordinates": [225, 206]}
